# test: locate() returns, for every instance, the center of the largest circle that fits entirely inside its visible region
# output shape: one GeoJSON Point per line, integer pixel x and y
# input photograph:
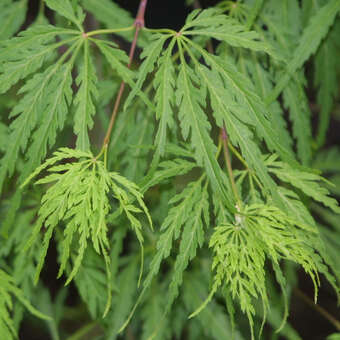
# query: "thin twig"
{"type": "Point", "coordinates": [225, 141]}
{"type": "Point", "coordinates": [139, 23]}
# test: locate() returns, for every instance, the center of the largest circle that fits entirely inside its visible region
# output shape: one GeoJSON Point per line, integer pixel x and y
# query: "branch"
{"type": "Point", "coordinates": [139, 23]}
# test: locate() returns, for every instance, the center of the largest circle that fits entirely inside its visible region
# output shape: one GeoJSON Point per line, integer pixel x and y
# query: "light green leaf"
{"type": "Point", "coordinates": [164, 84]}
{"type": "Point", "coordinates": [167, 170]}
{"type": "Point", "coordinates": [311, 38]}
{"type": "Point", "coordinates": [150, 55]}
{"type": "Point", "coordinates": [36, 99]}
{"type": "Point", "coordinates": [190, 101]}
{"type": "Point", "coordinates": [215, 322]}
{"type": "Point", "coordinates": [65, 9]}
{"type": "Point", "coordinates": [59, 99]}
{"type": "Point", "coordinates": [221, 27]}
{"type": "Point", "coordinates": [183, 209]}
{"type": "Point", "coordinates": [225, 112]}
{"type": "Point", "coordinates": [84, 100]}
{"type": "Point", "coordinates": [192, 238]}
{"type": "Point", "coordinates": [91, 282]}
{"type": "Point", "coordinates": [250, 108]}
{"type": "Point", "coordinates": [309, 183]}
{"type": "Point", "coordinates": [79, 197]}
{"type": "Point", "coordinates": [27, 53]}
{"type": "Point", "coordinates": [296, 101]}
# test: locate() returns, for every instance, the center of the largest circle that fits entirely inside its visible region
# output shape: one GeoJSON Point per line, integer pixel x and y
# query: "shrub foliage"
{"type": "Point", "coordinates": [215, 156]}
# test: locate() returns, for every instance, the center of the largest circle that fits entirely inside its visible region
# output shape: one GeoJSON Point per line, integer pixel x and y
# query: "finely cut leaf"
{"type": "Point", "coordinates": [65, 9]}
{"type": "Point", "coordinates": [8, 288]}
{"type": "Point", "coordinates": [84, 100]}
{"type": "Point", "coordinates": [38, 98]}
{"type": "Point", "coordinates": [313, 34]}
{"type": "Point", "coordinates": [253, 110]}
{"type": "Point", "coordinates": [190, 101]}
{"type": "Point", "coordinates": [167, 170]}
{"type": "Point", "coordinates": [179, 214]}
{"type": "Point", "coordinates": [260, 232]}
{"type": "Point", "coordinates": [221, 27]}
{"type": "Point", "coordinates": [309, 183]}
{"type": "Point", "coordinates": [192, 238]}
{"type": "Point", "coordinates": [164, 84]}
{"type": "Point", "coordinates": [79, 197]}
{"type": "Point", "coordinates": [150, 55]}
{"type": "Point", "coordinates": [59, 100]}
{"type": "Point", "coordinates": [26, 53]}
{"type": "Point", "coordinates": [296, 101]}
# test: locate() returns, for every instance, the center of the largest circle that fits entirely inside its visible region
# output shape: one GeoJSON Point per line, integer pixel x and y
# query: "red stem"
{"type": "Point", "coordinates": [139, 23]}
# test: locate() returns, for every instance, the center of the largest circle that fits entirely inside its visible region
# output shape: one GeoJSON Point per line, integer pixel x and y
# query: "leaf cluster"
{"type": "Point", "coordinates": [214, 129]}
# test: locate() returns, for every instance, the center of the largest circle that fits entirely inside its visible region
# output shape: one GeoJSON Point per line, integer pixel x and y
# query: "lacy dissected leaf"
{"type": "Point", "coordinates": [132, 141]}
{"type": "Point", "coordinates": [80, 198]}
{"type": "Point", "coordinates": [58, 102]}
{"type": "Point", "coordinates": [66, 9]}
{"type": "Point", "coordinates": [253, 64]}
{"type": "Point", "coordinates": [84, 100]}
{"type": "Point", "coordinates": [284, 21]}
{"type": "Point", "coordinates": [164, 84]}
{"type": "Point", "coordinates": [182, 212]}
{"type": "Point", "coordinates": [189, 211]}
{"type": "Point", "coordinates": [261, 232]}
{"type": "Point", "coordinates": [169, 169]}
{"type": "Point", "coordinates": [117, 58]}
{"type": "Point", "coordinates": [311, 38]}
{"type": "Point", "coordinates": [91, 282]}
{"type": "Point", "coordinates": [192, 238]}
{"type": "Point", "coordinates": [244, 101]}
{"type": "Point", "coordinates": [7, 289]}
{"type": "Point", "coordinates": [227, 113]}
{"type": "Point", "coordinates": [191, 99]}
{"type": "Point", "coordinates": [45, 98]}
{"type": "Point", "coordinates": [309, 183]}
{"type": "Point", "coordinates": [219, 26]}
{"type": "Point", "coordinates": [150, 55]}
{"type": "Point", "coordinates": [25, 54]}
{"type": "Point", "coordinates": [12, 16]}
{"type": "Point", "coordinates": [296, 101]}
